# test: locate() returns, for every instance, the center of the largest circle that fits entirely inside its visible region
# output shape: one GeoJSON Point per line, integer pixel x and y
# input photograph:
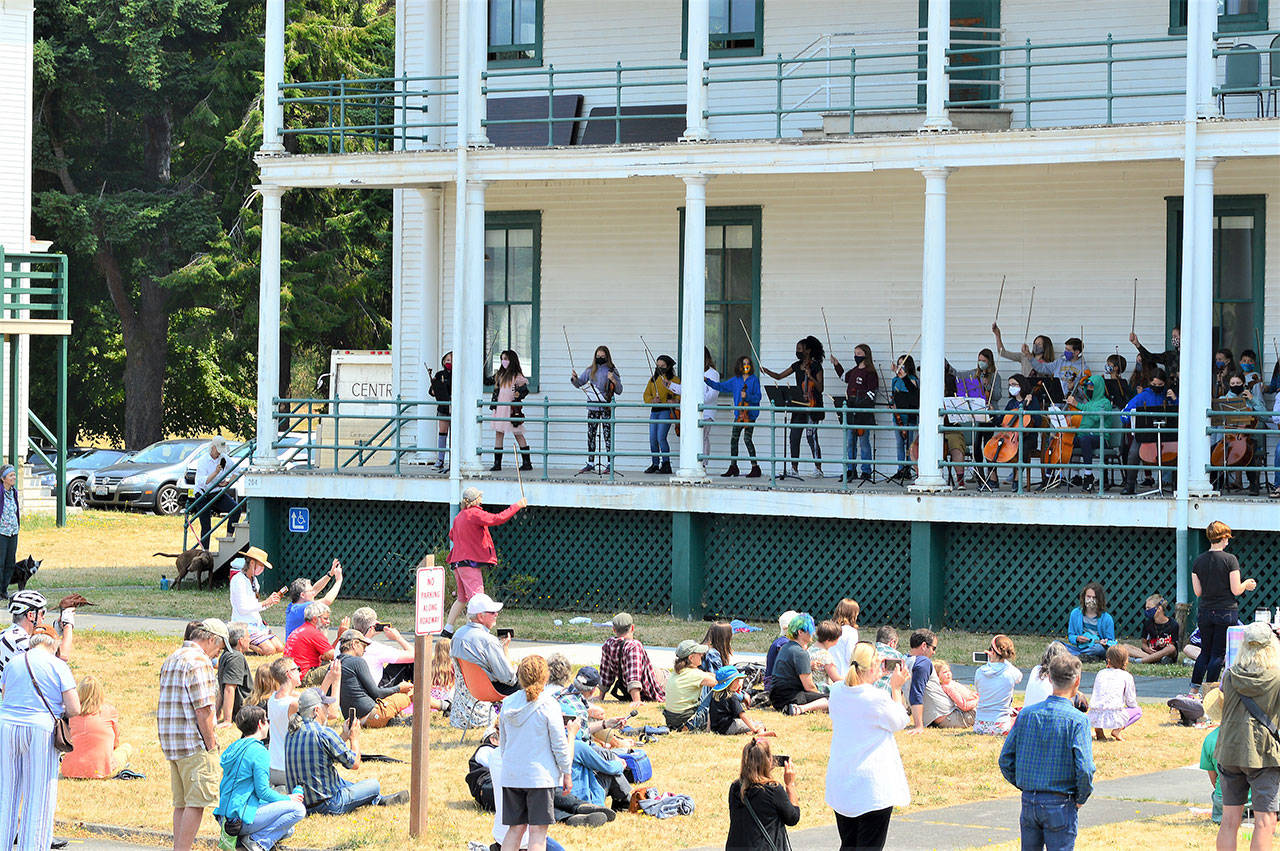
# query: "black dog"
{"type": "Point", "coordinates": [23, 571]}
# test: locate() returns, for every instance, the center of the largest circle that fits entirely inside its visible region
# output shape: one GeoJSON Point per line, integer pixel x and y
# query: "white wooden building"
{"type": "Point", "coordinates": [877, 162]}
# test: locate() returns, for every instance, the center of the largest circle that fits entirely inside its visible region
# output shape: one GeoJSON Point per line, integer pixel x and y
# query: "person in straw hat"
{"type": "Point", "coordinates": [246, 608]}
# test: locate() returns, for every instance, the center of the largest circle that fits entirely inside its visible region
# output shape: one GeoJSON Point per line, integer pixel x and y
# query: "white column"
{"type": "Point", "coordinates": [933, 328]}
{"type": "Point", "coordinates": [1202, 21]}
{"type": "Point", "coordinates": [1195, 393]}
{"type": "Point", "coordinates": [937, 82]}
{"type": "Point", "coordinates": [268, 325]}
{"type": "Point", "coordinates": [433, 14]}
{"type": "Point", "coordinates": [697, 48]}
{"type": "Point", "coordinates": [429, 334]}
{"type": "Point", "coordinates": [478, 60]}
{"type": "Point", "coordinates": [468, 347]}
{"type": "Point", "coordinates": [272, 77]}
{"type": "Point", "coordinates": [693, 330]}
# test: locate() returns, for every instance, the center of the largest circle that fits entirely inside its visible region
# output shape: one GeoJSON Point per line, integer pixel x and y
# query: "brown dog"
{"type": "Point", "coordinates": [195, 560]}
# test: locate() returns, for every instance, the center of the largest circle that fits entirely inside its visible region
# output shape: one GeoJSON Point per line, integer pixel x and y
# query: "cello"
{"type": "Point", "coordinates": [1235, 449]}
{"type": "Point", "coordinates": [1062, 444]}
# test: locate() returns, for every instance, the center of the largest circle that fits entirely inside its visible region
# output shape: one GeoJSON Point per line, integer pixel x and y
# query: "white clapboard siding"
{"type": "Point", "coordinates": [15, 131]}
{"type": "Point", "coordinates": [852, 245]}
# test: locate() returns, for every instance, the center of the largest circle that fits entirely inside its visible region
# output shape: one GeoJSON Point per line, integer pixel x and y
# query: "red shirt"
{"type": "Point", "coordinates": [305, 646]}
{"type": "Point", "coordinates": [470, 534]}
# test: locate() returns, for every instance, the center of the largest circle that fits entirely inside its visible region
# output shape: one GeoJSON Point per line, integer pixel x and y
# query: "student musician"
{"type": "Point", "coordinates": [744, 389]}
{"type": "Point", "coordinates": [1038, 354]}
{"type": "Point", "coordinates": [1238, 398]}
{"type": "Point", "coordinates": [509, 386]}
{"type": "Point", "coordinates": [1090, 397]}
{"type": "Point", "coordinates": [601, 382]}
{"type": "Point", "coordinates": [1114, 381]}
{"type": "Point", "coordinates": [862, 383]}
{"type": "Point", "coordinates": [1224, 366]}
{"type": "Point", "coordinates": [662, 391]}
{"type": "Point", "coordinates": [1157, 394]}
{"type": "Point", "coordinates": [982, 383]}
{"type": "Point", "coordinates": [808, 373]}
{"type": "Point", "coordinates": [954, 441]}
{"type": "Point", "coordinates": [905, 395]}
{"type": "Point", "coordinates": [1167, 360]}
{"type": "Point", "coordinates": [709, 397]}
{"type": "Point", "coordinates": [442, 391]}
{"type": "Point", "coordinates": [1067, 369]}
{"type": "Point", "coordinates": [1025, 395]}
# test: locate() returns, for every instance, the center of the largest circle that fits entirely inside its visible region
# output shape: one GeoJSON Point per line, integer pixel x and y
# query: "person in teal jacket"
{"type": "Point", "coordinates": [1091, 399]}
{"type": "Point", "coordinates": [1090, 628]}
{"type": "Point", "coordinates": [744, 389]}
{"type": "Point", "coordinates": [245, 792]}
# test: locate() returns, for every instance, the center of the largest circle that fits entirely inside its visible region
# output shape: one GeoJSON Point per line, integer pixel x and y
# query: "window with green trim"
{"type": "Point", "coordinates": [737, 28]}
{"type": "Point", "coordinates": [733, 282]}
{"type": "Point", "coordinates": [512, 283]}
{"type": "Point", "coordinates": [1239, 258]}
{"type": "Point", "coordinates": [515, 33]}
{"type": "Point", "coordinates": [1233, 16]}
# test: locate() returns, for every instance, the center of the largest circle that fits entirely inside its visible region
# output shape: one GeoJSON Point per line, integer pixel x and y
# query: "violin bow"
{"type": "Point", "coordinates": [1133, 321]}
{"type": "Point", "coordinates": [1275, 370]}
{"type": "Point", "coordinates": [574, 370]}
{"type": "Point", "coordinates": [1030, 307]}
{"type": "Point", "coordinates": [755, 354]}
{"type": "Point", "coordinates": [824, 325]}
{"type": "Point", "coordinates": [893, 350]}
{"type": "Point", "coordinates": [999, 299]}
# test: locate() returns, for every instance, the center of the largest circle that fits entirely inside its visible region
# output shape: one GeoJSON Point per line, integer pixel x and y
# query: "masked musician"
{"type": "Point", "coordinates": [601, 382]}
{"type": "Point", "coordinates": [442, 391]}
{"type": "Point", "coordinates": [807, 369]}
{"type": "Point", "coordinates": [744, 389]}
{"type": "Point", "coordinates": [1028, 358]}
{"type": "Point", "coordinates": [1157, 394]}
{"type": "Point", "coordinates": [986, 384]}
{"type": "Point", "coordinates": [662, 392]}
{"type": "Point", "coordinates": [1224, 366]}
{"type": "Point", "coordinates": [509, 388]}
{"type": "Point", "coordinates": [1167, 360]}
{"type": "Point", "coordinates": [1068, 368]}
{"type": "Point", "coordinates": [861, 382]}
{"type": "Point", "coordinates": [1091, 398]}
{"type": "Point", "coordinates": [1232, 446]}
{"type": "Point", "coordinates": [905, 395]}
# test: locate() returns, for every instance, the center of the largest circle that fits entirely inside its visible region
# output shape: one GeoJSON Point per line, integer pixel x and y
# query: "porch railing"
{"type": "Point", "coordinates": [368, 113]}
{"type": "Point", "coordinates": [1238, 450]}
{"type": "Point", "coordinates": [342, 434]}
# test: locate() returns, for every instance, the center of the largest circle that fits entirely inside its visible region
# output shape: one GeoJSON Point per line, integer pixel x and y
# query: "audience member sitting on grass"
{"type": "Point", "coordinates": [390, 662]}
{"type": "Point", "coordinates": [581, 690]}
{"type": "Point", "coordinates": [442, 678]}
{"type": "Point", "coordinates": [311, 751]}
{"type": "Point", "coordinates": [846, 618]}
{"type": "Point", "coordinates": [1038, 684]}
{"type": "Point", "coordinates": [771, 657]}
{"type": "Point", "coordinates": [761, 810]}
{"type": "Point", "coordinates": [302, 592]}
{"type": "Point", "coordinates": [559, 673]}
{"type": "Point", "coordinates": [281, 707]}
{"type": "Point", "coordinates": [310, 647]}
{"type": "Point", "coordinates": [719, 641]}
{"type": "Point", "coordinates": [688, 690]}
{"type": "Point", "coordinates": [537, 755]}
{"type": "Point", "coordinates": [1192, 648]}
{"type": "Point", "coordinates": [1090, 629]}
{"type": "Point", "coordinates": [626, 672]}
{"type": "Point", "coordinates": [1114, 702]}
{"type": "Point", "coordinates": [728, 709]}
{"type": "Point", "coordinates": [246, 608]}
{"type": "Point", "coordinates": [822, 654]}
{"type": "Point", "coordinates": [1159, 634]}
{"type": "Point", "coordinates": [995, 682]}
{"type": "Point", "coordinates": [234, 682]}
{"type": "Point", "coordinates": [964, 697]}
{"type": "Point", "coordinates": [583, 804]}
{"type": "Point", "coordinates": [95, 734]}
{"type": "Point", "coordinates": [887, 649]}
{"type": "Point", "coordinates": [929, 704]}
{"type": "Point", "coordinates": [264, 685]}
{"type": "Point", "coordinates": [374, 705]}
{"type": "Point", "coordinates": [245, 792]}
{"type": "Point", "coordinates": [793, 690]}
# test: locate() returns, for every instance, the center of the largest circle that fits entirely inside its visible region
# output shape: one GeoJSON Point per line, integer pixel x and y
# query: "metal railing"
{"type": "Point", "coordinates": [209, 497]}
{"type": "Point", "coordinates": [368, 113]}
{"type": "Point", "coordinates": [364, 432]}
{"type": "Point", "coordinates": [1267, 86]}
{"type": "Point", "coordinates": [1238, 448]}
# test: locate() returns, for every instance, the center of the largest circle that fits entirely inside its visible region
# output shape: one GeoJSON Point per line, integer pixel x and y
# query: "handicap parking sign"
{"type": "Point", "coordinates": [299, 519]}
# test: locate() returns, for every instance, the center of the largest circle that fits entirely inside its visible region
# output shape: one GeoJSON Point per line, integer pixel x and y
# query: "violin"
{"type": "Point", "coordinates": [742, 416]}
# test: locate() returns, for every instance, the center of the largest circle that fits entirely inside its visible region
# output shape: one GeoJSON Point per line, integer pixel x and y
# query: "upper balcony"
{"type": "Point", "coordinates": [1025, 71]}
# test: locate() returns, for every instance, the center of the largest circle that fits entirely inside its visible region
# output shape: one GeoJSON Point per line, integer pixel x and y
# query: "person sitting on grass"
{"type": "Point", "coordinates": [311, 751]}
{"type": "Point", "coordinates": [1090, 628]}
{"type": "Point", "coordinates": [583, 804]}
{"type": "Point", "coordinates": [303, 592]}
{"type": "Point", "coordinates": [390, 662]}
{"type": "Point", "coordinates": [719, 641]}
{"type": "Point", "coordinates": [963, 696]}
{"type": "Point", "coordinates": [793, 689]}
{"type": "Point", "coordinates": [995, 682]}
{"type": "Point", "coordinates": [1114, 703]}
{"type": "Point", "coordinates": [887, 649]}
{"type": "Point", "coordinates": [245, 791]}
{"type": "Point", "coordinates": [264, 686]}
{"type": "Point", "coordinates": [1159, 634]}
{"type": "Point", "coordinates": [442, 678]}
{"type": "Point", "coordinates": [1038, 685]}
{"type": "Point", "coordinates": [771, 657]}
{"type": "Point", "coordinates": [929, 704]}
{"type": "Point", "coordinates": [559, 672]}
{"type": "Point", "coordinates": [246, 608]}
{"type": "Point", "coordinates": [728, 710]}
{"type": "Point", "coordinates": [310, 647]}
{"type": "Point", "coordinates": [822, 663]}
{"type": "Point", "coordinates": [95, 734]}
{"type": "Point", "coordinates": [626, 671]}
{"type": "Point", "coordinates": [234, 682]}
{"type": "Point", "coordinates": [374, 705]}
{"type": "Point", "coordinates": [688, 690]}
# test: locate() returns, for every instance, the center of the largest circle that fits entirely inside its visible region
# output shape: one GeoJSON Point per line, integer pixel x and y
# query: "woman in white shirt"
{"type": "Point", "coordinates": [246, 608]}
{"type": "Point", "coordinates": [995, 682]}
{"type": "Point", "coordinates": [1038, 685]}
{"type": "Point", "coordinates": [710, 396]}
{"type": "Point", "coordinates": [846, 615]}
{"type": "Point", "coordinates": [865, 778]}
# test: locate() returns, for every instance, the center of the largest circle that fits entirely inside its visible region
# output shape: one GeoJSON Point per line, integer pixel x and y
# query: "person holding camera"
{"type": "Point", "coordinates": [761, 810]}
{"type": "Point", "coordinates": [245, 795]}
{"type": "Point", "coordinates": [865, 778]}
{"type": "Point", "coordinates": [375, 706]}
{"type": "Point", "coordinates": [211, 470]}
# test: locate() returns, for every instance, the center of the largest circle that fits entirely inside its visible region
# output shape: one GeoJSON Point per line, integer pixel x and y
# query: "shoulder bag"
{"type": "Point", "coordinates": [1256, 711]}
{"type": "Point", "coordinates": [786, 840]}
{"type": "Point", "coordinates": [61, 726]}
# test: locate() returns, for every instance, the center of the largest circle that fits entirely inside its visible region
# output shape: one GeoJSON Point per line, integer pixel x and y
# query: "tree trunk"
{"type": "Point", "coordinates": [146, 343]}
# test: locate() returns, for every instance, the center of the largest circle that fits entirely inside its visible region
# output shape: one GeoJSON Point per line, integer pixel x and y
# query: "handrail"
{"type": "Point", "coordinates": [362, 96]}
{"type": "Point", "coordinates": [214, 491]}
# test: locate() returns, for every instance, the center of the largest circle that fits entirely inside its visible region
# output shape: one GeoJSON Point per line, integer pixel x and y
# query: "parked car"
{"type": "Point", "coordinates": [40, 468]}
{"type": "Point", "coordinates": [78, 470]}
{"type": "Point", "coordinates": [149, 480]}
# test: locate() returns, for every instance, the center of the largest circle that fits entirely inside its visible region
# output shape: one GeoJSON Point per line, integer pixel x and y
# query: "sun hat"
{"type": "Point", "coordinates": [472, 495]}
{"type": "Point", "coordinates": [688, 647]}
{"type": "Point", "coordinates": [257, 554]}
{"type": "Point", "coordinates": [725, 675]}
{"type": "Point", "coordinates": [482, 604]}
{"type": "Point", "coordinates": [784, 620]}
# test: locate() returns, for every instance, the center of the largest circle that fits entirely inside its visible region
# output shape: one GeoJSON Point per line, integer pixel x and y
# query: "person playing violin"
{"type": "Point", "coordinates": [807, 369]}
{"type": "Point", "coordinates": [662, 393]}
{"type": "Point", "coordinates": [1157, 394]}
{"type": "Point", "coordinates": [1092, 403]}
{"type": "Point", "coordinates": [601, 382]}
{"type": "Point", "coordinates": [905, 396]}
{"type": "Point", "coordinates": [862, 384]}
{"type": "Point", "coordinates": [985, 381]}
{"type": "Point", "coordinates": [1238, 397]}
{"type": "Point", "coordinates": [1068, 368]}
{"type": "Point", "coordinates": [1168, 359]}
{"type": "Point", "coordinates": [744, 389]}
{"type": "Point", "coordinates": [1039, 353]}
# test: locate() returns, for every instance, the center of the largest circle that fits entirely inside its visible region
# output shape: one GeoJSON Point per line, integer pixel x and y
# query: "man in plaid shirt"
{"type": "Point", "coordinates": [185, 722]}
{"type": "Point", "coordinates": [311, 749]}
{"type": "Point", "coordinates": [1049, 756]}
{"type": "Point", "coordinates": [625, 669]}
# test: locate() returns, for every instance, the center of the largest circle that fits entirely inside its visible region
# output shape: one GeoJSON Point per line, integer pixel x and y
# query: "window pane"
{"type": "Point", "coordinates": [738, 275]}
{"type": "Point", "coordinates": [496, 337]}
{"type": "Point", "coordinates": [736, 343]}
{"type": "Point", "coordinates": [1238, 7]}
{"type": "Point", "coordinates": [521, 334]}
{"type": "Point", "coordinates": [742, 16]}
{"type": "Point", "coordinates": [527, 21]}
{"type": "Point", "coordinates": [495, 265]}
{"type": "Point", "coordinates": [1235, 260]}
{"type": "Point", "coordinates": [500, 22]}
{"type": "Point", "coordinates": [1233, 326]}
{"type": "Point", "coordinates": [719, 16]}
{"type": "Point", "coordinates": [715, 279]}
{"type": "Point", "coordinates": [715, 336]}
{"type": "Point", "coordinates": [520, 264]}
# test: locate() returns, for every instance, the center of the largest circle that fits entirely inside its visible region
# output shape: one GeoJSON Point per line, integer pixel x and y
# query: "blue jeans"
{"type": "Point", "coordinates": [350, 797]}
{"type": "Point", "coordinates": [858, 447]}
{"type": "Point", "coordinates": [274, 820]}
{"type": "Point", "coordinates": [659, 426]}
{"type": "Point", "coordinates": [1213, 625]}
{"type": "Point", "coordinates": [1048, 821]}
{"type": "Point", "coordinates": [903, 438]}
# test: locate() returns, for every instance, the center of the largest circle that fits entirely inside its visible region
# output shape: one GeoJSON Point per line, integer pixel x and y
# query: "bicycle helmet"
{"type": "Point", "coordinates": [26, 601]}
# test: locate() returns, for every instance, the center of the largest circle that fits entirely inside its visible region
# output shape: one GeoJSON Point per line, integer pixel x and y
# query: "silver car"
{"type": "Point", "coordinates": [149, 480]}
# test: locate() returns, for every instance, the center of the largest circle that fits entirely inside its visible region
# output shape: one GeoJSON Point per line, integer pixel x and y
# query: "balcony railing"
{"type": "Point", "coordinates": [368, 114]}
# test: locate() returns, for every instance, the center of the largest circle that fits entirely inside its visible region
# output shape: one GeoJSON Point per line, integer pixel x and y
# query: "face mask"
{"type": "Point", "coordinates": [1151, 613]}
{"type": "Point", "coordinates": [1248, 366]}
{"type": "Point", "coordinates": [746, 369]}
{"type": "Point", "coordinates": [1220, 364]}
{"type": "Point", "coordinates": [506, 364]}
{"type": "Point", "coordinates": [1177, 342]}
{"type": "Point", "coordinates": [1236, 389]}
{"type": "Point", "coordinates": [448, 367]}
{"type": "Point", "coordinates": [1038, 350]}
{"type": "Point", "coordinates": [601, 359]}
{"type": "Point", "coordinates": [1015, 389]}
{"type": "Point", "coordinates": [858, 359]}
{"type": "Point", "coordinates": [1068, 355]}
{"type": "Point", "coordinates": [1157, 388]}
{"type": "Point", "coordinates": [799, 355]}
{"type": "Point", "coordinates": [983, 365]}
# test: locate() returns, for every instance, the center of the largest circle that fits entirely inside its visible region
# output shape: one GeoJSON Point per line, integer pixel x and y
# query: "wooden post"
{"type": "Point", "coordinates": [420, 748]}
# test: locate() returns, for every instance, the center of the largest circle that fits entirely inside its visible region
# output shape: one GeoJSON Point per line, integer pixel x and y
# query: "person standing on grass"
{"type": "Point", "coordinates": [1247, 754]}
{"type": "Point", "coordinates": [1049, 756]}
{"type": "Point", "coordinates": [302, 592]}
{"type": "Point", "coordinates": [185, 722]}
{"type": "Point", "coordinates": [28, 610]}
{"type": "Point", "coordinates": [10, 517]}
{"type": "Point", "coordinates": [537, 754]}
{"type": "Point", "coordinates": [472, 549]}
{"type": "Point", "coordinates": [1215, 578]}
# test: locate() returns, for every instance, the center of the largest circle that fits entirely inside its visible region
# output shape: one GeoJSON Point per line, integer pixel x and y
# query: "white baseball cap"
{"type": "Point", "coordinates": [482, 604]}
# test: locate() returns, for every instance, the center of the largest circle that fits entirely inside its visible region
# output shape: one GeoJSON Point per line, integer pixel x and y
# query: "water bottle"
{"type": "Point", "coordinates": [164, 582]}
{"type": "Point", "coordinates": [297, 790]}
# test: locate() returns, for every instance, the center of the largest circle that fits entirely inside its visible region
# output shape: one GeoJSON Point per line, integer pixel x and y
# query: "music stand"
{"type": "Point", "coordinates": [781, 396]}
{"type": "Point", "coordinates": [959, 409]}
{"type": "Point", "coordinates": [1152, 417]}
{"type": "Point", "coordinates": [598, 467]}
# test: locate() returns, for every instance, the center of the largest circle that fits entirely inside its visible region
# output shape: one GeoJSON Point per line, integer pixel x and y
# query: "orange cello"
{"type": "Point", "coordinates": [1062, 444]}
{"type": "Point", "coordinates": [1235, 449]}
{"type": "Point", "coordinates": [1002, 447]}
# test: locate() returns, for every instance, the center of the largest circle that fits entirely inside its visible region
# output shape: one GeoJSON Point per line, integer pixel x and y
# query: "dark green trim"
{"type": "Point", "coordinates": [1223, 205]}
{"type": "Point", "coordinates": [520, 220]}
{"type": "Point", "coordinates": [757, 48]}
{"type": "Point", "coordinates": [495, 57]}
{"type": "Point", "coordinates": [720, 217]}
{"type": "Point", "coordinates": [1226, 23]}
{"type": "Point", "coordinates": [265, 523]}
{"type": "Point", "coordinates": [928, 574]}
{"type": "Point", "coordinates": [989, 9]}
{"type": "Point", "coordinates": [688, 565]}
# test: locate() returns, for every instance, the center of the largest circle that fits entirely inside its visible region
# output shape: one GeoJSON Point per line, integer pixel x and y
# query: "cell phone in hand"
{"type": "Point", "coordinates": [890, 664]}
{"type": "Point", "coordinates": [981, 657]}
{"type": "Point", "coordinates": [351, 718]}
{"type": "Point", "coordinates": [505, 632]}
{"type": "Point", "coordinates": [380, 627]}
{"type": "Point", "coordinates": [780, 760]}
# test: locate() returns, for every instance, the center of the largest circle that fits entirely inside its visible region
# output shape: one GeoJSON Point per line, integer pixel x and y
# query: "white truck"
{"type": "Point", "coordinates": [360, 393]}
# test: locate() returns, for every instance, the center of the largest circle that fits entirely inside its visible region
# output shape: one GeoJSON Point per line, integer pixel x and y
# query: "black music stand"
{"type": "Point", "coordinates": [781, 396]}
{"type": "Point", "coordinates": [1153, 417]}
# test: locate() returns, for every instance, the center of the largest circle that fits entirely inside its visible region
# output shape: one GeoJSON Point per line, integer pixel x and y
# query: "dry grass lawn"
{"type": "Point", "coordinates": [944, 768]}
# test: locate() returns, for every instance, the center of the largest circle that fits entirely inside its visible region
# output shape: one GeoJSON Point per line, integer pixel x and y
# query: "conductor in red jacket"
{"type": "Point", "coordinates": [472, 549]}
